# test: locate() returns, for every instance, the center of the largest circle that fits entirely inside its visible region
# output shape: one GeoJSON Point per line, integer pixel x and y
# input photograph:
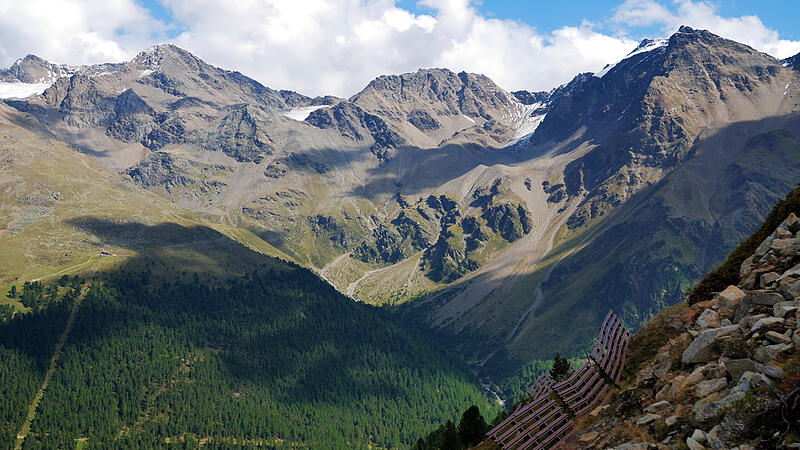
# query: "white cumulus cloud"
{"type": "Point", "coordinates": [337, 46]}
{"type": "Point", "coordinates": [748, 30]}
{"type": "Point", "coordinates": [75, 31]}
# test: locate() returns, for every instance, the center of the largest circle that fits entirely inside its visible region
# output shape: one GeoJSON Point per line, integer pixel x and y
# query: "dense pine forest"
{"type": "Point", "coordinates": [273, 358]}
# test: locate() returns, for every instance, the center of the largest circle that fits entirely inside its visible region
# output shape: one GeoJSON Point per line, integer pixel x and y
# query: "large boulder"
{"type": "Point", "coordinates": [763, 298]}
{"type": "Point", "coordinates": [728, 301]}
{"type": "Point", "coordinates": [783, 308]}
{"type": "Point", "coordinates": [736, 367]}
{"type": "Point", "coordinates": [708, 387]}
{"type": "Point", "coordinates": [790, 287]}
{"type": "Point", "coordinates": [767, 353]}
{"type": "Point", "coordinates": [707, 409]}
{"type": "Point", "coordinates": [702, 348]}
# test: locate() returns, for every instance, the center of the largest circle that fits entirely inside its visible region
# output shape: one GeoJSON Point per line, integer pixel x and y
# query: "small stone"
{"type": "Point", "coordinates": [763, 298]}
{"type": "Point", "coordinates": [699, 435]}
{"type": "Point", "coordinates": [588, 437]}
{"type": "Point", "coordinates": [772, 371]}
{"type": "Point", "coordinates": [780, 309]}
{"type": "Point", "coordinates": [763, 248]}
{"type": "Point", "coordinates": [713, 370]}
{"type": "Point", "coordinates": [784, 246]}
{"type": "Point", "coordinates": [746, 268]}
{"type": "Point", "coordinates": [694, 445]}
{"type": "Point", "coordinates": [632, 446]}
{"type": "Point", "coordinates": [647, 419]}
{"type": "Point", "coordinates": [792, 223]}
{"type": "Point", "coordinates": [794, 271]}
{"type": "Point", "coordinates": [736, 367]}
{"type": "Point", "coordinates": [748, 321]}
{"type": "Point", "coordinates": [777, 338]}
{"type": "Point", "coordinates": [657, 406]}
{"type": "Point", "coordinates": [766, 322]}
{"type": "Point", "coordinates": [768, 278]}
{"type": "Point", "coordinates": [768, 353]}
{"type": "Point", "coordinates": [790, 290]}
{"type": "Point", "coordinates": [597, 411]}
{"type": "Point", "coordinates": [705, 388]}
{"type": "Point", "coordinates": [708, 319]}
{"type": "Point", "coordinates": [725, 323]}
{"type": "Point", "coordinates": [671, 421]}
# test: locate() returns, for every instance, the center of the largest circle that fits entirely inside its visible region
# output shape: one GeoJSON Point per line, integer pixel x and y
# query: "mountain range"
{"type": "Point", "coordinates": [493, 218]}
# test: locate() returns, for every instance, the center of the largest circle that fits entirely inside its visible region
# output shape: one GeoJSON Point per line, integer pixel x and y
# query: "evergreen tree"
{"type": "Point", "coordinates": [472, 428]}
{"type": "Point", "coordinates": [499, 418]}
{"type": "Point", "coordinates": [13, 291]}
{"type": "Point", "coordinates": [561, 368]}
{"type": "Point", "coordinates": [451, 441]}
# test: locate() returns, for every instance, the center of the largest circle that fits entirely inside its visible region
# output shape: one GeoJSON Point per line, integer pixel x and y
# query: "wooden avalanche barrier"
{"type": "Point", "coordinates": [547, 419]}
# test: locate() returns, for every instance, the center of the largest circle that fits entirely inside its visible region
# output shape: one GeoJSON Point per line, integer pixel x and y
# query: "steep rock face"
{"type": "Point", "coordinates": [241, 134]}
{"type": "Point", "coordinates": [454, 239]}
{"type": "Point", "coordinates": [133, 119]}
{"type": "Point", "coordinates": [644, 113]}
{"type": "Point", "coordinates": [721, 373]}
{"type": "Point", "coordinates": [432, 106]}
{"type": "Point", "coordinates": [650, 251]}
{"type": "Point", "coordinates": [530, 98]}
{"type": "Point", "coordinates": [793, 62]}
{"type": "Point", "coordinates": [354, 123]}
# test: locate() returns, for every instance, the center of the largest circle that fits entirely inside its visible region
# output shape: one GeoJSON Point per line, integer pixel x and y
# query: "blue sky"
{"type": "Point", "coordinates": [547, 16]}
{"type": "Point", "coordinates": [337, 46]}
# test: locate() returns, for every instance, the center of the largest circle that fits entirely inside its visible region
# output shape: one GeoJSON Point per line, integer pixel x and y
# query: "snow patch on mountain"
{"type": "Point", "coordinates": [527, 120]}
{"type": "Point", "coordinates": [647, 45]}
{"type": "Point", "coordinates": [300, 114]}
{"type": "Point", "coordinates": [21, 90]}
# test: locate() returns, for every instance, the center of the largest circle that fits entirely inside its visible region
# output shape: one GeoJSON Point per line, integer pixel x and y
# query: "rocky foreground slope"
{"type": "Point", "coordinates": [726, 371]}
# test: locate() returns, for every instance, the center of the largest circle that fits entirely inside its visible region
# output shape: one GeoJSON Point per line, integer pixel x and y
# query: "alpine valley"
{"type": "Point", "coordinates": [352, 272]}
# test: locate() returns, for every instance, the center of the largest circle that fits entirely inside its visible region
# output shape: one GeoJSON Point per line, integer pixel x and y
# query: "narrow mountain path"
{"type": "Point", "coordinates": [64, 270]}
{"type": "Point", "coordinates": [26, 427]}
{"type": "Point", "coordinates": [324, 271]}
{"type": "Point", "coordinates": [351, 288]}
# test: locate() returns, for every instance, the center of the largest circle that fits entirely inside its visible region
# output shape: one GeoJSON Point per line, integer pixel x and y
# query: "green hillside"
{"type": "Point", "coordinates": [154, 327]}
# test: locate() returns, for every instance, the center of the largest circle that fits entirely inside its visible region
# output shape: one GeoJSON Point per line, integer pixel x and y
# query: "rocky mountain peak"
{"type": "Point", "coordinates": [530, 98]}
{"type": "Point", "coordinates": [793, 62]}
{"type": "Point", "coordinates": [431, 107]}
{"type": "Point", "coordinates": [33, 69]}
{"type": "Point", "coordinates": [169, 57]}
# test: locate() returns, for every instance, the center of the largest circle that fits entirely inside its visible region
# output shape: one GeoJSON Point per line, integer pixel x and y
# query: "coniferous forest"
{"type": "Point", "coordinates": [273, 358]}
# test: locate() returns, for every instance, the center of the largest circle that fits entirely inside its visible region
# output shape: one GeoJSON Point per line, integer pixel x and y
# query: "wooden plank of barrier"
{"type": "Point", "coordinates": [545, 423]}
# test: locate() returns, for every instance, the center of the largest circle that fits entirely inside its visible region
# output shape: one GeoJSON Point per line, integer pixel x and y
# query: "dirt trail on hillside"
{"type": "Point", "coordinates": [26, 427]}
{"type": "Point", "coordinates": [63, 270]}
